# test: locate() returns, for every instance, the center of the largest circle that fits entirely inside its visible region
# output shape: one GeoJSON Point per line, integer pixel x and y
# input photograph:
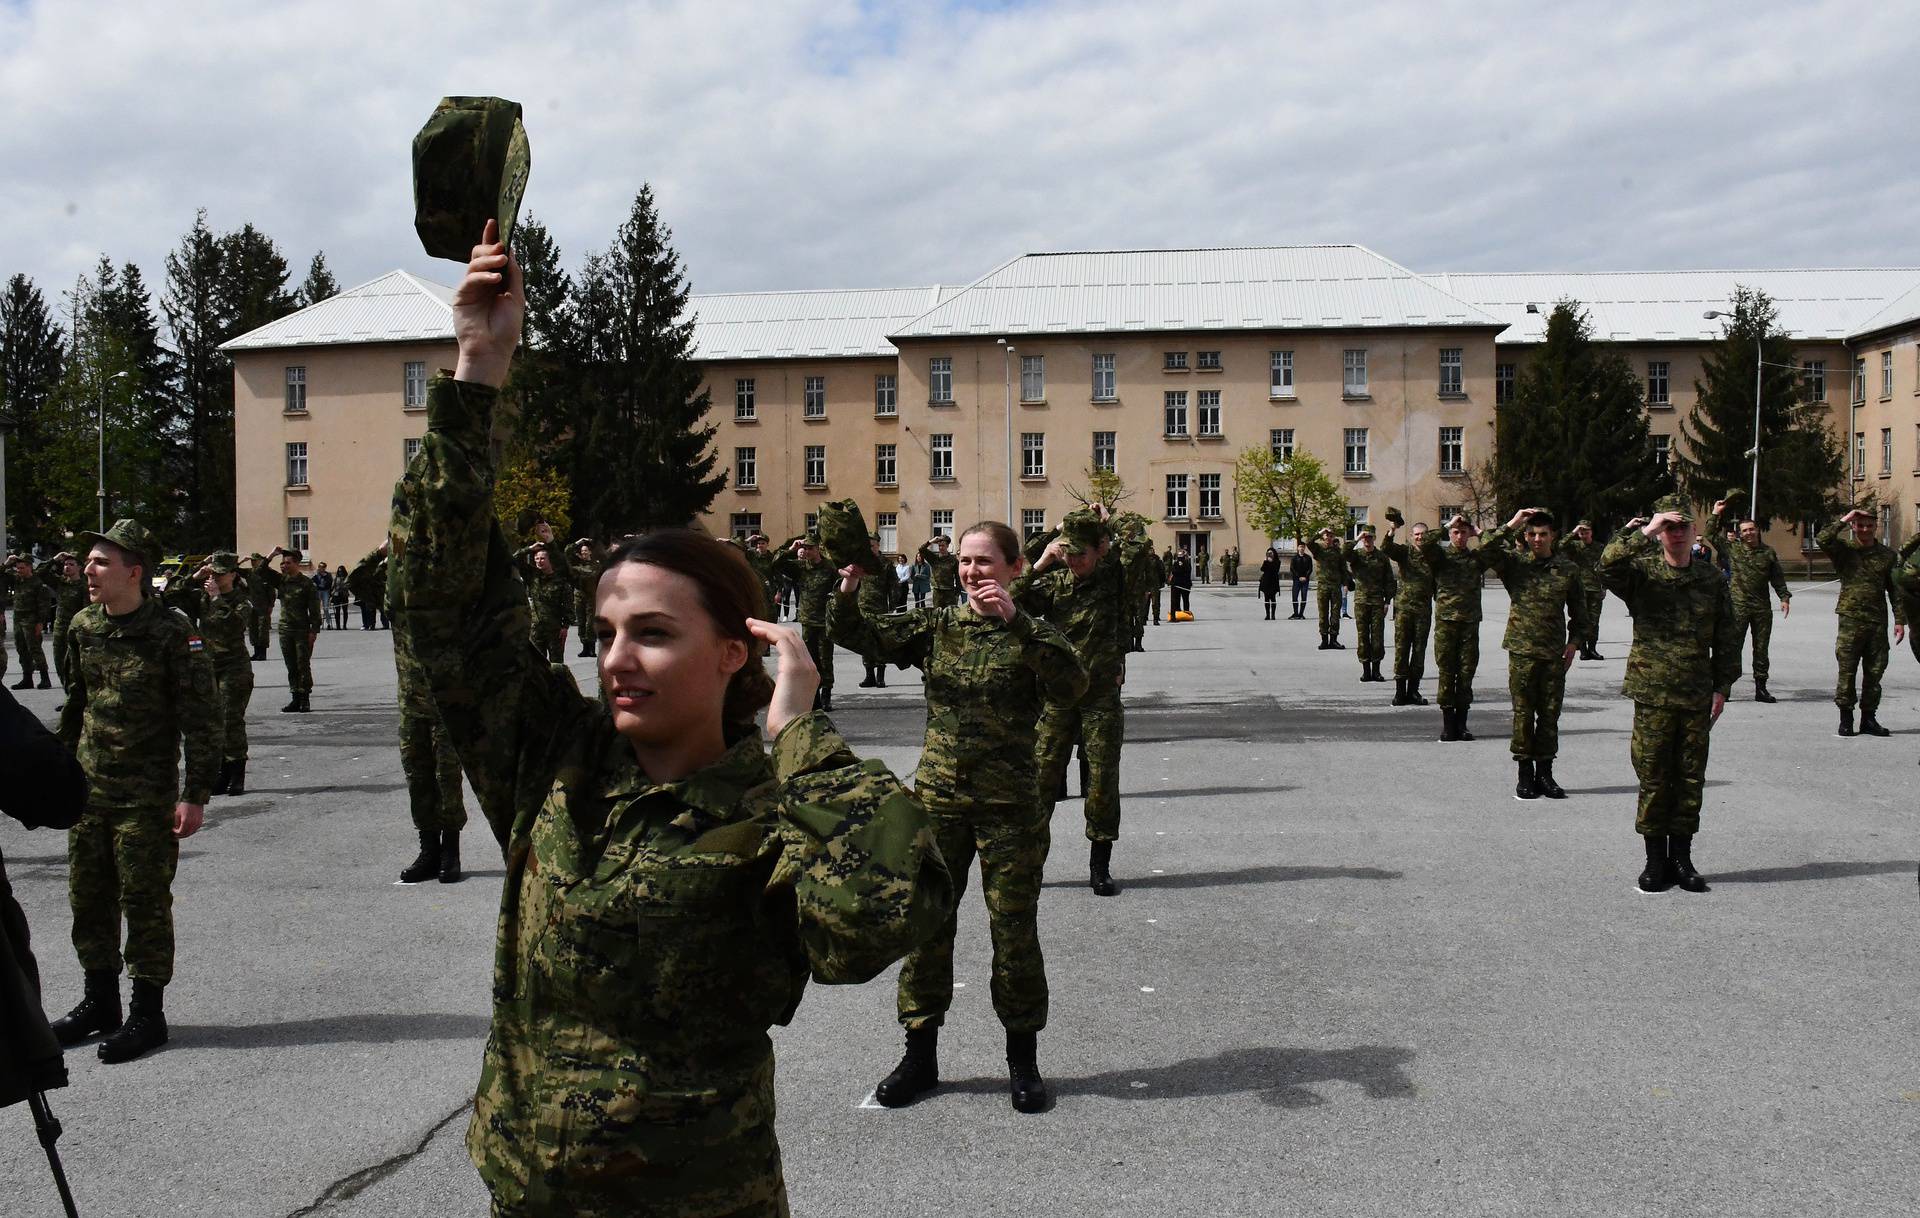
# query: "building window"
{"type": "Point", "coordinates": [885, 465]}
{"type": "Point", "coordinates": [1859, 454]}
{"type": "Point", "coordinates": [810, 521]}
{"type": "Point", "coordinates": [299, 536]}
{"type": "Point", "coordinates": [1813, 374]}
{"type": "Point", "coordinates": [1033, 378]}
{"type": "Point", "coordinates": [744, 410]}
{"type": "Point", "coordinates": [1502, 384]}
{"type": "Point", "coordinates": [1104, 389]}
{"type": "Point", "coordinates": [1176, 496]}
{"type": "Point", "coordinates": [746, 469]}
{"type": "Point", "coordinates": [1447, 512]}
{"type": "Point", "coordinates": [887, 525]}
{"type": "Point", "coordinates": [1176, 361]}
{"type": "Point", "coordinates": [1033, 454]}
{"type": "Point", "coordinates": [1280, 376]}
{"type": "Point", "coordinates": [296, 388]}
{"type": "Point", "coordinates": [1355, 444]}
{"type": "Point", "coordinates": [1210, 496]}
{"type": "Point", "coordinates": [1104, 450]}
{"type": "Point", "coordinates": [886, 394]}
{"type": "Point", "coordinates": [1657, 383]}
{"type": "Point", "coordinates": [1453, 450]}
{"type": "Point", "coordinates": [940, 457]}
{"type": "Point", "coordinates": [1886, 451]}
{"type": "Point", "coordinates": [1809, 534]}
{"type": "Point", "coordinates": [1859, 380]}
{"type": "Point", "coordinates": [1033, 522]}
{"type": "Point", "coordinates": [1353, 382]}
{"type": "Point", "coordinates": [744, 524]}
{"type": "Point", "coordinates": [1450, 372]}
{"type": "Point", "coordinates": [1886, 522]}
{"type": "Point", "coordinates": [813, 403]}
{"type": "Point", "coordinates": [1916, 450]}
{"type": "Point", "coordinates": [814, 465]}
{"type": "Point", "coordinates": [1207, 360]}
{"type": "Point", "coordinates": [1662, 451]}
{"type": "Point", "coordinates": [410, 448]}
{"type": "Point", "coordinates": [1280, 442]}
{"type": "Point", "coordinates": [942, 522]}
{"type": "Point", "coordinates": [413, 385]}
{"type": "Point", "coordinates": [1176, 412]}
{"type": "Point", "coordinates": [1209, 412]}
{"type": "Point", "coordinates": [297, 463]}
{"type": "Point", "coordinates": [1356, 516]}
{"type": "Point", "coordinates": [1886, 374]}
{"type": "Point", "coordinates": [940, 379]}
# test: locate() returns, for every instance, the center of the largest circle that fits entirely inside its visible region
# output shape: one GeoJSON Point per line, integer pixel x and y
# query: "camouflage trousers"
{"type": "Point", "coordinates": [26, 640]}
{"type": "Point", "coordinates": [1456, 654]}
{"type": "Point", "coordinates": [233, 689]}
{"type": "Point", "coordinates": [1670, 758]}
{"type": "Point", "coordinates": [1760, 621]}
{"type": "Point", "coordinates": [1012, 842]}
{"type": "Point", "coordinates": [820, 647]}
{"type": "Point", "coordinates": [257, 628]}
{"type": "Point", "coordinates": [60, 655]}
{"type": "Point", "coordinates": [548, 633]}
{"type": "Point", "coordinates": [1329, 602]}
{"type": "Point", "coordinates": [583, 614]}
{"type": "Point", "coordinates": [1538, 686]}
{"type": "Point", "coordinates": [1156, 606]}
{"type": "Point", "coordinates": [942, 597]}
{"type": "Point", "coordinates": [1595, 602]}
{"type": "Point", "coordinates": [1410, 626]}
{"type": "Point", "coordinates": [298, 653]}
{"type": "Point", "coordinates": [433, 772]}
{"type": "Point", "coordinates": [1098, 725]}
{"type": "Point", "coordinates": [1860, 643]}
{"type": "Point", "coordinates": [1370, 623]}
{"type": "Point", "coordinates": [121, 861]}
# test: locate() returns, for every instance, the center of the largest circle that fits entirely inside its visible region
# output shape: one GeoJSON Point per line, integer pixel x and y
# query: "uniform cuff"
{"type": "Point", "coordinates": [806, 744]}
{"type": "Point", "coordinates": [462, 409]}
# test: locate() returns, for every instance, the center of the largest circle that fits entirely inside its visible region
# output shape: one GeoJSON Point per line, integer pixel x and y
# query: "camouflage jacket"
{"type": "Point", "coordinates": [368, 580]}
{"type": "Point", "coordinates": [945, 568]}
{"type": "Point", "coordinates": [1458, 576]}
{"type": "Point", "coordinates": [649, 933]}
{"type": "Point", "coordinates": [1091, 612]}
{"type": "Point", "coordinates": [141, 693]}
{"type": "Point", "coordinates": [986, 682]}
{"type": "Point", "coordinates": [32, 603]}
{"type": "Point", "coordinates": [1866, 575]}
{"type": "Point", "coordinates": [762, 565]}
{"type": "Point", "coordinates": [878, 588]}
{"type": "Point", "coordinates": [1416, 576]}
{"type": "Point", "coordinates": [549, 595]}
{"type": "Point", "coordinates": [299, 600]}
{"type": "Point", "coordinates": [263, 583]}
{"type": "Point", "coordinates": [223, 623]}
{"type": "Point", "coordinates": [1586, 556]}
{"type": "Point", "coordinates": [1329, 565]}
{"type": "Point", "coordinates": [813, 585]}
{"type": "Point", "coordinates": [69, 595]}
{"type": "Point", "coordinates": [1371, 575]}
{"type": "Point", "coordinates": [1686, 646]}
{"type": "Point", "coordinates": [1549, 610]}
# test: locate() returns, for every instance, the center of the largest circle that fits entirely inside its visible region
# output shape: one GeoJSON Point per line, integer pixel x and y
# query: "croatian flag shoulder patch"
{"type": "Point", "coordinates": [194, 643]}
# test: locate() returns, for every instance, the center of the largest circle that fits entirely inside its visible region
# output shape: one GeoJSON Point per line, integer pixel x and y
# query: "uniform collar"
{"type": "Point", "coordinates": [713, 792]}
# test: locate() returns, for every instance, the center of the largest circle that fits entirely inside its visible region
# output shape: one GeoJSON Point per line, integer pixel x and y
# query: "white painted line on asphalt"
{"type": "Point", "coordinates": [1137, 1085]}
{"type": "Point", "coordinates": [1146, 989]}
{"type": "Point", "coordinates": [1153, 921]}
{"type": "Point", "coordinates": [1160, 832]}
{"type": "Point", "coordinates": [1159, 871]}
{"type": "Point", "coordinates": [959, 985]}
{"type": "Point", "coordinates": [870, 1102]}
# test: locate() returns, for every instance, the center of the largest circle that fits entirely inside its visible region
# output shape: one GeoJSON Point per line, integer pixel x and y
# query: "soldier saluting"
{"type": "Point", "coordinates": [1547, 625]}
{"type": "Point", "coordinates": [1754, 567]}
{"type": "Point", "coordinates": [1865, 565]}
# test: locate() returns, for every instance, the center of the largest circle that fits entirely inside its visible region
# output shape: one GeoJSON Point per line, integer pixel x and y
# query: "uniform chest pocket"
{"type": "Point", "coordinates": [706, 893]}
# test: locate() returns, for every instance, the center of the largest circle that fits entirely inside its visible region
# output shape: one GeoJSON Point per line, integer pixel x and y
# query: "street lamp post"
{"type": "Point", "coordinates": [6, 422]}
{"type": "Point", "coordinates": [1006, 376]}
{"type": "Point", "coordinates": [100, 490]}
{"type": "Point", "coordinates": [1759, 348]}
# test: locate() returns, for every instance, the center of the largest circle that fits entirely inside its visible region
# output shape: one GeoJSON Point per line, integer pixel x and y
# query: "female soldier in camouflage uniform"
{"type": "Point", "coordinates": [669, 887]}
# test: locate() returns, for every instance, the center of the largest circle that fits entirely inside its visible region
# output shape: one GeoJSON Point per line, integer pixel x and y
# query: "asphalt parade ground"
{"type": "Point", "coordinates": [1347, 973]}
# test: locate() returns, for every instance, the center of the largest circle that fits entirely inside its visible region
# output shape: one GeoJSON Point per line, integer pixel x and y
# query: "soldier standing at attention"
{"type": "Point", "coordinates": [429, 762]}
{"type": "Point", "coordinates": [1753, 567]}
{"type": "Point", "coordinates": [1685, 658]}
{"type": "Point", "coordinates": [217, 603]}
{"type": "Point", "coordinates": [32, 606]}
{"type": "Point", "coordinates": [943, 571]}
{"type": "Point", "coordinates": [628, 1068]}
{"type": "Point", "coordinates": [1330, 583]}
{"type": "Point", "coordinates": [1371, 574]}
{"type": "Point", "coordinates": [261, 587]}
{"type": "Point", "coordinates": [1203, 565]}
{"type": "Point", "coordinates": [549, 580]}
{"type": "Point", "coordinates": [142, 695]}
{"type": "Point", "coordinates": [587, 561]}
{"type": "Point", "coordinates": [1545, 627]}
{"type": "Point", "coordinates": [759, 552]}
{"type": "Point", "coordinates": [1580, 546]}
{"type": "Point", "coordinates": [989, 669]}
{"type": "Point", "coordinates": [1459, 569]}
{"type": "Point", "coordinates": [1412, 610]}
{"type": "Point", "coordinates": [61, 574]}
{"type": "Point", "coordinates": [1137, 563]}
{"type": "Point", "coordinates": [813, 580]}
{"type": "Point", "coordinates": [299, 624]}
{"type": "Point", "coordinates": [876, 600]}
{"type": "Point", "coordinates": [1865, 566]}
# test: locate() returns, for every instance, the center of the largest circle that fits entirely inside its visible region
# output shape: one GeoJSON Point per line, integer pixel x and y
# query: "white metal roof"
{"type": "Point", "coordinates": [796, 325]}
{"type": "Point", "coordinates": [395, 308]}
{"type": "Point", "coordinates": [1899, 311]}
{"type": "Point", "coordinates": [1667, 306]}
{"type": "Point", "coordinates": [1289, 287]}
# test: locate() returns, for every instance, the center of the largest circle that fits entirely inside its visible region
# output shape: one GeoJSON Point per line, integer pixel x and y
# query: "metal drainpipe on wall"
{"type": "Point", "coordinates": [1406, 432]}
{"type": "Point", "coordinates": [979, 449]}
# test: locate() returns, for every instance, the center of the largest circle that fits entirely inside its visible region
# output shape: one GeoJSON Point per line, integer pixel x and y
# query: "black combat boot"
{"type": "Point", "coordinates": [1325, 645]}
{"type": "Point", "coordinates": [450, 857]}
{"type": "Point", "coordinates": [1413, 693]}
{"type": "Point", "coordinates": [587, 651]}
{"type": "Point", "coordinates": [99, 1010]}
{"type": "Point", "coordinates": [1460, 723]}
{"type": "Point", "coordinates": [1400, 691]}
{"type": "Point", "coordinates": [1680, 862]}
{"type": "Point", "coordinates": [1658, 874]}
{"type": "Point", "coordinates": [146, 1026]}
{"type": "Point", "coordinates": [25, 681]}
{"type": "Point", "coordinates": [826, 700]}
{"type": "Point", "coordinates": [293, 705]}
{"type": "Point", "coordinates": [1449, 727]}
{"type": "Point", "coordinates": [1543, 780]}
{"type": "Point", "coordinates": [306, 701]}
{"type": "Point", "coordinates": [1333, 641]}
{"type": "Point", "coordinates": [427, 864]}
{"type": "Point", "coordinates": [1526, 788]}
{"type": "Point", "coordinates": [1028, 1089]}
{"type": "Point", "coordinates": [237, 781]}
{"type": "Point", "coordinates": [1870, 726]}
{"type": "Point", "coordinates": [1099, 870]}
{"type": "Point", "coordinates": [1846, 722]}
{"type": "Point", "coordinates": [44, 683]}
{"type": "Point", "coordinates": [866, 682]}
{"type": "Point", "coordinates": [226, 775]}
{"type": "Point", "coordinates": [880, 676]}
{"type": "Point", "coordinates": [917, 1073]}
{"type": "Point", "coordinates": [1760, 693]}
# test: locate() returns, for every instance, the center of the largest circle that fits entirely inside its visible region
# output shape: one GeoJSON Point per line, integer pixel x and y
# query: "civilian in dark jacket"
{"type": "Point", "coordinates": [1270, 582]}
{"type": "Point", "coordinates": [1302, 571]}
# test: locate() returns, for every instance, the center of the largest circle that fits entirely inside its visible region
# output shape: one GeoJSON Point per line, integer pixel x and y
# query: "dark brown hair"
{"type": "Point", "coordinates": [730, 593]}
{"type": "Point", "coordinates": [1004, 539]}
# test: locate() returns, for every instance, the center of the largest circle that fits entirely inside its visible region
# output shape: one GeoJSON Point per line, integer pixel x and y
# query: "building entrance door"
{"type": "Point", "coordinates": [1193, 545]}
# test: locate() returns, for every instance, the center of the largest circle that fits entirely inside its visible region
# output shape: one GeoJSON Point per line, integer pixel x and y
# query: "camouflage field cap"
{"type": "Point", "coordinates": [223, 562]}
{"type": "Point", "coordinates": [1394, 517]}
{"type": "Point", "coordinates": [1083, 530]}
{"type": "Point", "coordinates": [1673, 503]}
{"type": "Point", "coordinates": [1585, 523]}
{"type": "Point", "coordinates": [293, 554]}
{"type": "Point", "coordinates": [470, 165]}
{"type": "Point", "coordinates": [1366, 530]}
{"type": "Point", "coordinates": [129, 536]}
{"type": "Point", "coordinates": [843, 534]}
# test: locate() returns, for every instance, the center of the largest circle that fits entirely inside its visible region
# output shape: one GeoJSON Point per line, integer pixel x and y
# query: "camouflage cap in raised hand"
{"type": "Point", "coordinates": [470, 165]}
{"type": "Point", "coordinates": [843, 534]}
{"type": "Point", "coordinates": [1394, 517]}
{"type": "Point", "coordinates": [1083, 530]}
{"type": "Point", "coordinates": [128, 536]}
{"type": "Point", "coordinates": [223, 562]}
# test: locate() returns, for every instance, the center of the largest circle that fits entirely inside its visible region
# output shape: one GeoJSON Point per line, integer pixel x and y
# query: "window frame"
{"type": "Point", "coordinates": [1215, 502]}
{"type": "Point", "coordinates": [413, 385]}
{"type": "Point", "coordinates": [1352, 360]}
{"type": "Point", "coordinates": [886, 465]}
{"type": "Point", "coordinates": [813, 398]}
{"type": "Point", "coordinates": [1662, 451]}
{"type": "Point", "coordinates": [1033, 522]}
{"type": "Point", "coordinates": [1207, 361]}
{"type": "Point", "coordinates": [294, 400]}
{"type": "Point", "coordinates": [1458, 443]}
{"type": "Point", "coordinates": [1174, 400]}
{"type": "Point", "coordinates": [1033, 378]}
{"type": "Point", "coordinates": [940, 523]}
{"type": "Point", "coordinates": [1886, 374]}
{"type": "Point", "coordinates": [1813, 376]}
{"type": "Point", "coordinates": [299, 459]}
{"type": "Point", "coordinates": [1349, 446]}
{"type": "Point", "coordinates": [886, 395]}
{"type": "Point", "coordinates": [940, 380]}
{"type": "Point", "coordinates": [1663, 377]}
{"type": "Point", "coordinates": [1207, 427]}
{"type": "Point", "coordinates": [1505, 378]}
{"type": "Point", "coordinates": [809, 455]}
{"type": "Point", "coordinates": [1173, 361]}
{"type": "Point", "coordinates": [1453, 372]}
{"type": "Point", "coordinates": [940, 452]}
{"type": "Point", "coordinates": [746, 406]}
{"type": "Point", "coordinates": [1274, 443]}
{"type": "Point", "coordinates": [1177, 485]}
{"type": "Point", "coordinates": [1280, 384]}
{"type": "Point", "coordinates": [300, 538]}
{"type": "Point", "coordinates": [1033, 444]}
{"type": "Point", "coordinates": [1110, 372]}
{"type": "Point", "coordinates": [746, 467]}
{"type": "Point", "coordinates": [1111, 449]}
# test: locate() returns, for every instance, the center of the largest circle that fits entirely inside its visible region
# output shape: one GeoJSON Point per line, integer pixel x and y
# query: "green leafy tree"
{"type": "Point", "coordinates": [319, 284]}
{"type": "Point", "coordinates": [524, 484]}
{"type": "Point", "coordinates": [32, 359]}
{"type": "Point", "coordinates": [1293, 498]}
{"type": "Point", "coordinates": [1802, 463]}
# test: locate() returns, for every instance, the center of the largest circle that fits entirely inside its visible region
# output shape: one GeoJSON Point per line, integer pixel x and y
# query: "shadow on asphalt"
{"type": "Point", "coordinates": [1282, 1078]}
{"type": "Point", "coordinates": [1274, 874]}
{"type": "Point", "coordinates": [1814, 871]}
{"type": "Point", "coordinates": [1190, 792]}
{"type": "Point", "coordinates": [1629, 789]}
{"type": "Point", "coordinates": [332, 1030]}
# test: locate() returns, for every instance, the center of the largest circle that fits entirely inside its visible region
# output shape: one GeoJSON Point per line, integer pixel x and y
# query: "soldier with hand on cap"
{"type": "Point", "coordinates": [217, 603]}
{"type": "Point", "coordinates": [1752, 567]}
{"type": "Point", "coordinates": [1580, 546]}
{"type": "Point", "coordinates": [943, 571]}
{"type": "Point", "coordinates": [813, 579]}
{"type": "Point", "coordinates": [1330, 584]}
{"type": "Point", "coordinates": [1459, 569]}
{"type": "Point", "coordinates": [32, 606]}
{"type": "Point", "coordinates": [1370, 573]}
{"type": "Point", "coordinates": [1412, 609]}
{"type": "Point", "coordinates": [1545, 627]}
{"type": "Point", "coordinates": [1865, 565]}
{"type": "Point", "coordinates": [299, 623]}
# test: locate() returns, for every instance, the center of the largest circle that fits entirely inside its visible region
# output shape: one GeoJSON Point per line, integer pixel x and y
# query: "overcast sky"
{"type": "Point", "coordinates": [830, 143]}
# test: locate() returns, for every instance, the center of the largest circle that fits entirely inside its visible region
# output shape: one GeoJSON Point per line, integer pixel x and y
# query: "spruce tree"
{"type": "Point", "coordinates": [119, 362]}
{"type": "Point", "coordinates": [196, 309]}
{"type": "Point", "coordinates": [31, 362]}
{"type": "Point", "coordinates": [319, 285]}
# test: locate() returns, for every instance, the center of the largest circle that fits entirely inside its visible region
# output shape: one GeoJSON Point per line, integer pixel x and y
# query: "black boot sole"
{"type": "Point", "coordinates": [906, 1093]}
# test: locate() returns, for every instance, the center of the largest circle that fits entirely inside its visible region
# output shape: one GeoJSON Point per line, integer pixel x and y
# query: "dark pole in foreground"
{"type": "Point", "coordinates": [49, 1128]}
